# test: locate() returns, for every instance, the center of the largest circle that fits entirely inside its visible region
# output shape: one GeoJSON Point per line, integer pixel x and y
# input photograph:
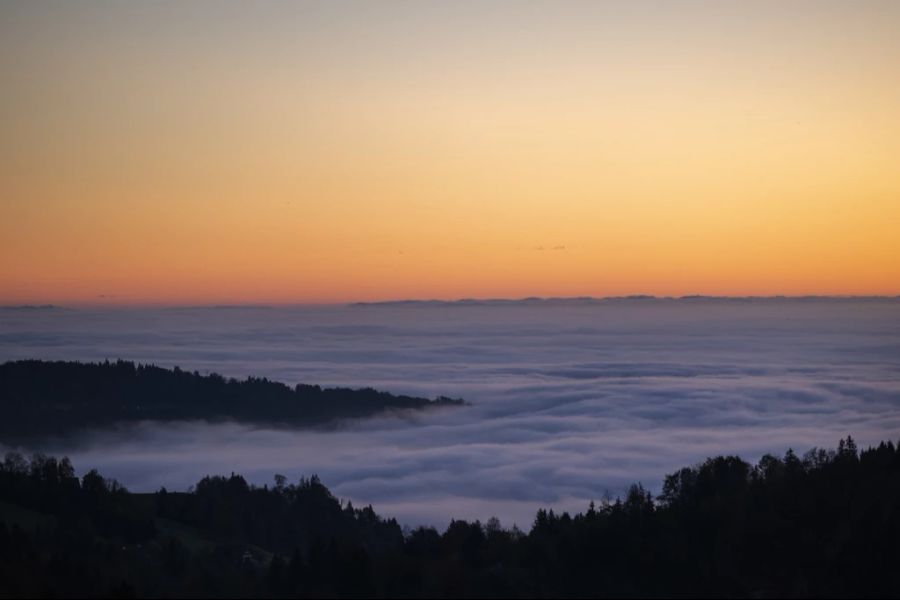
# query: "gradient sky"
{"type": "Point", "coordinates": [309, 152]}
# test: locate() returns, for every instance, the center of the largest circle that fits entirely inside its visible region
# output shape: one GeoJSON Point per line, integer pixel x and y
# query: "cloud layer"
{"type": "Point", "coordinates": [569, 401]}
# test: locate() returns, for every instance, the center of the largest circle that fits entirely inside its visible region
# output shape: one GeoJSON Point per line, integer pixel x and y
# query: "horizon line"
{"type": "Point", "coordinates": [461, 301]}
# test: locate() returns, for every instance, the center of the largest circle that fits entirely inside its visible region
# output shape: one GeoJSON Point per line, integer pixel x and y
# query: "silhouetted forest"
{"type": "Point", "coordinates": [39, 398]}
{"type": "Point", "coordinates": [826, 524]}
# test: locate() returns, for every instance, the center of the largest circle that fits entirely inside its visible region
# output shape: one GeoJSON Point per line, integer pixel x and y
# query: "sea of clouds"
{"type": "Point", "coordinates": [570, 401]}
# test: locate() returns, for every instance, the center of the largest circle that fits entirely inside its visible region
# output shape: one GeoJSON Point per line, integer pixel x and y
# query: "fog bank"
{"type": "Point", "coordinates": [569, 401]}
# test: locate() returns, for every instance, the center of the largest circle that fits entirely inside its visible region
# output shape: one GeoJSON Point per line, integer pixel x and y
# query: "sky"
{"type": "Point", "coordinates": [209, 152]}
{"type": "Point", "coordinates": [568, 401]}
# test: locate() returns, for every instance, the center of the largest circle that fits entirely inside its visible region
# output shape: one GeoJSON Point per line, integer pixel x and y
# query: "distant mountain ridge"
{"type": "Point", "coordinates": [595, 300]}
{"type": "Point", "coordinates": [527, 301]}
{"type": "Point", "coordinates": [30, 307]}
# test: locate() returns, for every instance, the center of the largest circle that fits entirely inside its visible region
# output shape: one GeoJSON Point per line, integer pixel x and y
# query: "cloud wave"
{"type": "Point", "coordinates": [569, 401]}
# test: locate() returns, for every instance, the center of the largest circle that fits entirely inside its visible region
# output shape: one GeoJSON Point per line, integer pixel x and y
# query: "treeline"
{"type": "Point", "coordinates": [823, 525]}
{"type": "Point", "coordinates": [40, 398]}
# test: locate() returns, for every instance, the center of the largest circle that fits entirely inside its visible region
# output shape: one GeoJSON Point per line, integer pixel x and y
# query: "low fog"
{"type": "Point", "coordinates": [569, 402]}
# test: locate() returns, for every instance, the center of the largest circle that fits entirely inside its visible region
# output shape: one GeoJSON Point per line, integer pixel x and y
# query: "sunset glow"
{"type": "Point", "coordinates": [164, 153]}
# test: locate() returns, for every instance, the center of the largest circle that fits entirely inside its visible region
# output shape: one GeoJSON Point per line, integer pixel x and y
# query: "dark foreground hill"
{"type": "Point", "coordinates": [40, 398]}
{"type": "Point", "coordinates": [824, 525]}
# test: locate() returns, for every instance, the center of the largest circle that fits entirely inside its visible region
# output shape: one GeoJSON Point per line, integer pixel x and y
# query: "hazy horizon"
{"type": "Point", "coordinates": [113, 303]}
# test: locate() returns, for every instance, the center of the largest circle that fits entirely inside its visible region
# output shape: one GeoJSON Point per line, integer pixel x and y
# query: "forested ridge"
{"type": "Point", "coordinates": [825, 524]}
{"type": "Point", "coordinates": [41, 398]}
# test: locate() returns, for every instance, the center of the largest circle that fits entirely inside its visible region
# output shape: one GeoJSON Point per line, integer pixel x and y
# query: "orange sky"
{"type": "Point", "coordinates": [214, 152]}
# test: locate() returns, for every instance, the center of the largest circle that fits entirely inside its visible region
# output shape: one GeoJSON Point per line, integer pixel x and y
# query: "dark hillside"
{"type": "Point", "coordinates": [824, 525]}
{"type": "Point", "coordinates": [39, 398]}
